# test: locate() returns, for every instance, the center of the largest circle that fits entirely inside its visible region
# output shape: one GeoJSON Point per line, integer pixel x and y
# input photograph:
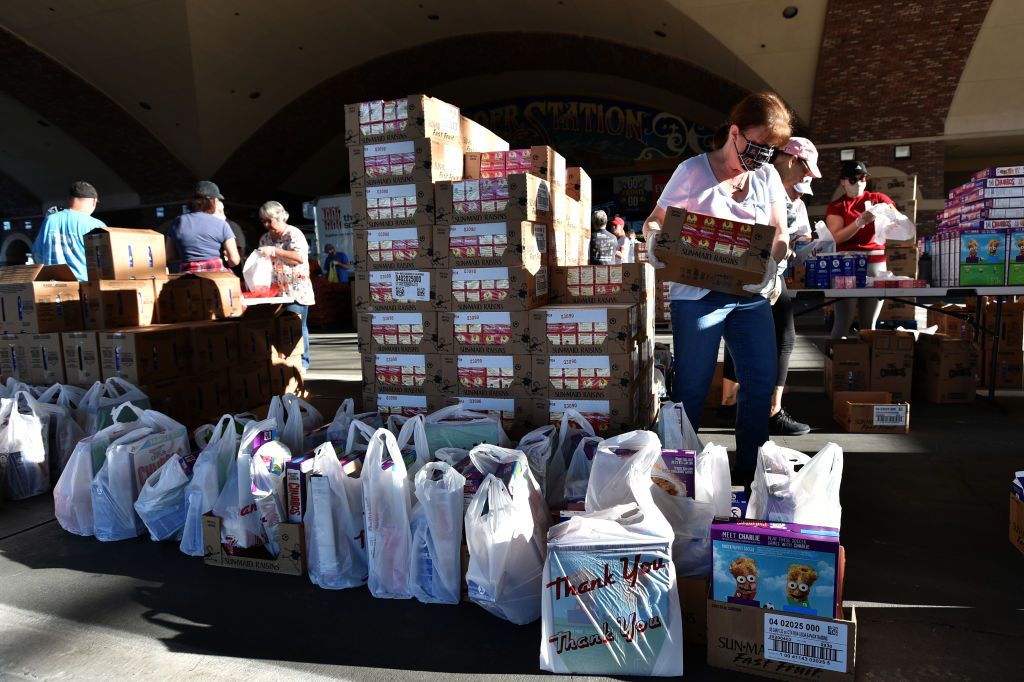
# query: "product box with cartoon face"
{"type": "Point", "coordinates": [983, 257]}
{"type": "Point", "coordinates": [782, 566]}
{"type": "Point", "coordinates": [1015, 256]}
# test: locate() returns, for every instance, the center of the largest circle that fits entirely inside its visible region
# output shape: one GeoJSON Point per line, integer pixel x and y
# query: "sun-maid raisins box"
{"type": "Point", "coordinates": [497, 376]}
{"type": "Point", "coordinates": [407, 118]}
{"type": "Point", "coordinates": [608, 416]}
{"type": "Point", "coordinates": [401, 404]}
{"type": "Point", "coordinates": [702, 251]}
{"type": "Point", "coordinates": [393, 248]}
{"type": "Point", "coordinates": [519, 196]}
{"type": "Point", "coordinates": [585, 329]}
{"type": "Point", "coordinates": [515, 243]}
{"type": "Point", "coordinates": [393, 205]}
{"type": "Point", "coordinates": [485, 333]}
{"type": "Point", "coordinates": [491, 289]}
{"type": "Point", "coordinates": [516, 414]}
{"type": "Point", "coordinates": [402, 373]}
{"type": "Point", "coordinates": [396, 163]}
{"type": "Point", "coordinates": [396, 291]}
{"type": "Point", "coordinates": [588, 376]}
{"type": "Point", "coordinates": [415, 332]}
{"type": "Point", "coordinates": [600, 284]}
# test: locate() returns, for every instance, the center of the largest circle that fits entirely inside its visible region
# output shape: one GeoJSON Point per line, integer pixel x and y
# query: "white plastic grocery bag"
{"type": "Point", "coordinates": [337, 430]}
{"type": "Point", "coordinates": [809, 496]}
{"type": "Point", "coordinates": [675, 430]}
{"type": "Point", "coordinates": [691, 517]}
{"type": "Point", "coordinates": [72, 495]}
{"type": "Point", "coordinates": [435, 567]}
{"type": "Point", "coordinates": [235, 506]}
{"type": "Point", "coordinates": [387, 510]}
{"type": "Point", "coordinates": [209, 474]}
{"type": "Point", "coordinates": [161, 504]}
{"type": "Point", "coordinates": [573, 427]}
{"type": "Point", "coordinates": [333, 524]}
{"type": "Point", "coordinates": [61, 403]}
{"type": "Point", "coordinates": [541, 449]}
{"type": "Point", "coordinates": [577, 478]}
{"type": "Point", "coordinates": [309, 416]}
{"type": "Point", "coordinates": [891, 224]}
{"type": "Point", "coordinates": [498, 461]}
{"type": "Point", "coordinates": [100, 400]}
{"type": "Point", "coordinates": [258, 272]}
{"type": "Point", "coordinates": [610, 599]}
{"type": "Point", "coordinates": [412, 441]}
{"type": "Point", "coordinates": [23, 448]}
{"type": "Point", "coordinates": [621, 474]}
{"type": "Point", "coordinates": [456, 426]}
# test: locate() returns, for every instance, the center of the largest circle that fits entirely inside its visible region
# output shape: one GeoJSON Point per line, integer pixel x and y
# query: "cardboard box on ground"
{"type": "Point", "coordinates": [892, 362]}
{"type": "Point", "coordinates": [38, 299]}
{"type": "Point", "coordinates": [42, 359]}
{"type": "Point", "coordinates": [945, 369]}
{"type": "Point", "coordinates": [870, 412]}
{"type": "Point", "coordinates": [290, 561]}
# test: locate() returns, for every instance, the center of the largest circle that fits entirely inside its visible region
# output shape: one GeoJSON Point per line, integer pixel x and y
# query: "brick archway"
{"type": "Point", "coordinates": [310, 121]}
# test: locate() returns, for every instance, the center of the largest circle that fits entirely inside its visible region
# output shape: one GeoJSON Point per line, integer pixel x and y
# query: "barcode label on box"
{"type": "Point", "coordinates": [411, 286]}
{"type": "Point", "coordinates": [890, 415]}
{"type": "Point", "coordinates": [813, 643]}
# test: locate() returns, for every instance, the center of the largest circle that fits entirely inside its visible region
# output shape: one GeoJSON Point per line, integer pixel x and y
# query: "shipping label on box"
{"type": "Point", "coordinates": [983, 257]}
{"type": "Point", "coordinates": [393, 205]}
{"type": "Point", "coordinates": [597, 284]}
{"type": "Point", "coordinates": [399, 333]}
{"type": "Point", "coordinates": [870, 412]}
{"type": "Point", "coordinates": [892, 362]}
{"type": "Point", "coordinates": [517, 244]}
{"type": "Point", "coordinates": [486, 289]}
{"type": "Point", "coordinates": [43, 358]}
{"type": "Point", "coordinates": [485, 333]}
{"type": "Point", "coordinates": [124, 253]}
{"type": "Point", "coordinates": [403, 373]}
{"type": "Point", "coordinates": [145, 355]}
{"type": "Point", "coordinates": [38, 299]}
{"type": "Point", "coordinates": [393, 248]}
{"type": "Point", "coordinates": [398, 291]}
{"type": "Point", "coordinates": [585, 329]}
{"type": "Point", "coordinates": [587, 376]}
{"type": "Point", "coordinates": [513, 198]}
{"type": "Point", "coordinates": [394, 163]}
{"type": "Point", "coordinates": [721, 255]}
{"type": "Point", "coordinates": [109, 303]}
{"type": "Point", "coordinates": [81, 358]}
{"type": "Point", "coordinates": [500, 376]}
{"type": "Point", "coordinates": [407, 118]}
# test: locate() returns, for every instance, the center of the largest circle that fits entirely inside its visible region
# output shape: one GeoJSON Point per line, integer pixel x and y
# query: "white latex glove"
{"type": "Point", "coordinates": [771, 285]}
{"type": "Point", "coordinates": [267, 251]}
{"type": "Point", "coordinates": [868, 216]}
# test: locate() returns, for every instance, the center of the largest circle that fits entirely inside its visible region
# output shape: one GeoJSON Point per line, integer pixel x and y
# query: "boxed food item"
{"type": "Point", "coordinates": [402, 373]}
{"type": "Point", "coordinates": [892, 362]}
{"type": "Point", "coordinates": [485, 333]}
{"type": "Point", "coordinates": [567, 245]}
{"type": "Point", "coordinates": [721, 255]}
{"type": "Point", "coordinates": [124, 253]}
{"type": "Point", "coordinates": [214, 346]}
{"type": "Point", "coordinates": [43, 359]}
{"type": "Point", "coordinates": [39, 298]}
{"type": "Point", "coordinates": [516, 243]}
{"type": "Point", "coordinates": [211, 395]}
{"type": "Point", "coordinates": [946, 368]}
{"type": "Point", "coordinates": [1011, 325]}
{"type": "Point", "coordinates": [608, 416]}
{"type": "Point", "coordinates": [983, 257]}
{"type": "Point", "coordinates": [514, 413]}
{"type": "Point", "coordinates": [395, 163]}
{"type": "Point", "coordinates": [897, 188]}
{"type": "Point", "coordinates": [81, 358]}
{"type": "Point", "coordinates": [478, 138]}
{"type": "Point", "coordinates": [786, 567]}
{"type": "Point", "coordinates": [1009, 367]}
{"type": "Point", "coordinates": [399, 333]}
{"type": "Point", "coordinates": [179, 298]}
{"type": "Point", "coordinates": [1015, 251]}
{"type": "Point", "coordinates": [516, 197]}
{"type": "Point", "coordinates": [400, 404]}
{"type": "Point", "coordinates": [112, 303]}
{"type": "Point", "coordinates": [901, 260]}
{"type": "Point", "coordinates": [406, 118]}
{"type": "Point", "coordinates": [393, 248]}
{"type": "Point", "coordinates": [587, 376]}
{"type": "Point", "coordinates": [402, 205]}
{"type": "Point", "coordinates": [287, 340]}
{"type": "Point", "coordinates": [496, 164]}
{"type": "Point", "coordinates": [870, 412]}
{"type": "Point", "coordinates": [577, 184]}
{"type": "Point", "coordinates": [397, 291]}
{"type": "Point", "coordinates": [602, 284]}
{"type": "Point", "coordinates": [497, 288]}
{"type": "Point", "coordinates": [12, 357]}
{"type": "Point", "coordinates": [290, 561]}
{"type": "Point", "coordinates": [847, 365]}
{"type": "Point", "coordinates": [500, 376]}
{"type": "Point", "coordinates": [145, 355]}
{"type": "Point", "coordinates": [256, 337]}
{"type": "Point", "coordinates": [585, 329]}
{"type": "Point", "coordinates": [221, 294]}
{"type": "Point", "coordinates": [250, 385]}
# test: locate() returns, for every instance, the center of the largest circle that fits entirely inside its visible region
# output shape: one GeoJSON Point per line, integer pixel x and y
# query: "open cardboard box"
{"type": "Point", "coordinates": [291, 561]}
{"type": "Point", "coordinates": [36, 299]}
{"type": "Point", "coordinates": [870, 412]}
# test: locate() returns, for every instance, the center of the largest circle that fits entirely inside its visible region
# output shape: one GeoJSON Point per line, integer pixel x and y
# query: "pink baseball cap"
{"type": "Point", "coordinates": [802, 148]}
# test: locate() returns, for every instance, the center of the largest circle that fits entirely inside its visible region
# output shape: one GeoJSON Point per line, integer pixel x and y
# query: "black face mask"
{"type": "Point", "coordinates": [755, 155]}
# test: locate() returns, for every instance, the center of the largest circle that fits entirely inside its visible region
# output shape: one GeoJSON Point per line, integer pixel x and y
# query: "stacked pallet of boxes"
{"type": "Point", "coordinates": [451, 280]}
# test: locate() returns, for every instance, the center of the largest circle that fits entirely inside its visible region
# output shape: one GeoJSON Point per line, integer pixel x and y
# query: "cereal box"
{"type": "Point", "coordinates": [983, 257]}
{"type": "Point", "coordinates": [1015, 249]}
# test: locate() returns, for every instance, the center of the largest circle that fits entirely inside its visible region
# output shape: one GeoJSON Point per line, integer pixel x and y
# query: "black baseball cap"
{"type": "Point", "coordinates": [82, 190]}
{"type": "Point", "coordinates": [208, 190]}
{"type": "Point", "coordinates": [851, 169]}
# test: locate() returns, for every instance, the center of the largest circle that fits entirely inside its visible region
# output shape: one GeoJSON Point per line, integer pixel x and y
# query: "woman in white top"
{"type": "Point", "coordinates": [735, 181]}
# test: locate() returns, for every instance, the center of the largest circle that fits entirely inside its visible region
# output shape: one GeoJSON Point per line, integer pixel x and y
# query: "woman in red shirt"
{"type": "Point", "coordinates": [854, 230]}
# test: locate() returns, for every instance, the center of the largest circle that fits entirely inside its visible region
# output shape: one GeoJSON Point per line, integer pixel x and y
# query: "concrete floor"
{"type": "Point", "coordinates": [930, 570]}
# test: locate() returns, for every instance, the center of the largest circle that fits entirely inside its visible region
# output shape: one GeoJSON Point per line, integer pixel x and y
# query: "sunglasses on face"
{"type": "Point", "coordinates": [857, 178]}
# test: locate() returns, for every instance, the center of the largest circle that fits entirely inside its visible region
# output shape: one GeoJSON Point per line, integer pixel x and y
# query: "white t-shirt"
{"type": "Point", "coordinates": [798, 224]}
{"type": "Point", "coordinates": [693, 186]}
{"type": "Point", "coordinates": [630, 251]}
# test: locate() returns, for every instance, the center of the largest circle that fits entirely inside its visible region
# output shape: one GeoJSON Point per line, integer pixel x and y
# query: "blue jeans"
{"type": "Point", "coordinates": [303, 312]}
{"type": "Point", "coordinates": [746, 323]}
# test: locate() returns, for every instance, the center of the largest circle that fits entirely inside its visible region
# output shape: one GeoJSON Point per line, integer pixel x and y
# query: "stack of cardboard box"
{"type": "Point", "coordinates": [875, 369]}
{"type": "Point", "coordinates": [455, 265]}
{"type": "Point", "coordinates": [1009, 361]}
{"type": "Point", "coordinates": [901, 259]}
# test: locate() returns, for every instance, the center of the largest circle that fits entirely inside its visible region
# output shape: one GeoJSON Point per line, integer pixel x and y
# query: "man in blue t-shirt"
{"type": "Point", "coordinates": [337, 260]}
{"type": "Point", "coordinates": [61, 239]}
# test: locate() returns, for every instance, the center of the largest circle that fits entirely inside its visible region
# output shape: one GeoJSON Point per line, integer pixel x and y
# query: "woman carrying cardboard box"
{"type": "Point", "coordinates": [735, 182]}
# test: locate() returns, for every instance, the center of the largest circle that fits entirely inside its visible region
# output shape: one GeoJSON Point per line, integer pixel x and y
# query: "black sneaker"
{"type": "Point", "coordinates": [783, 424]}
